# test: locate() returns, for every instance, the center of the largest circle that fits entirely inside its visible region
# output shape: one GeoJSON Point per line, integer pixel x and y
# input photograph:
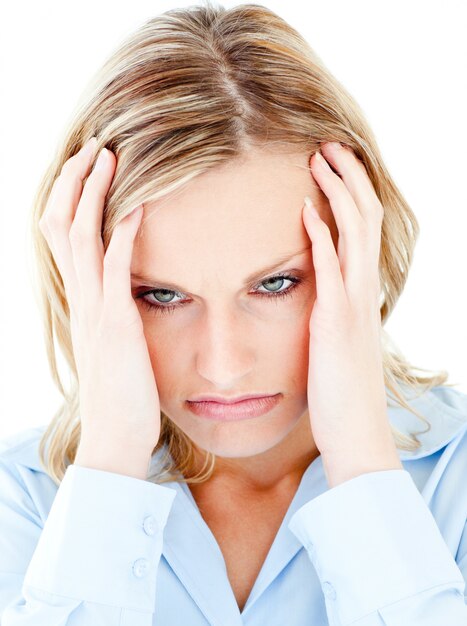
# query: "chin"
{"type": "Point", "coordinates": [241, 439]}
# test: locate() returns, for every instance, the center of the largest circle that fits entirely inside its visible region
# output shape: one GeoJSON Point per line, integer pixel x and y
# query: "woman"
{"type": "Point", "coordinates": [270, 230]}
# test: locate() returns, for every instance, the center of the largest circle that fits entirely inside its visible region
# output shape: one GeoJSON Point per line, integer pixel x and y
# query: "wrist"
{"type": "Point", "coordinates": [119, 459]}
{"type": "Point", "coordinates": [349, 465]}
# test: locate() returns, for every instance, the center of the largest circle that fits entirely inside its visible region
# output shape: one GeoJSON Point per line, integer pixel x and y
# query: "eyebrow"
{"type": "Point", "coordinates": [251, 279]}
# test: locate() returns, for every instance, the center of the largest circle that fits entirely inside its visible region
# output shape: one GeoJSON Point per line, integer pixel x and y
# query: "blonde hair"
{"type": "Point", "coordinates": [191, 89]}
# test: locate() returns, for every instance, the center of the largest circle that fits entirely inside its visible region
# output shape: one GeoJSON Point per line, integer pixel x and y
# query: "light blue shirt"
{"type": "Point", "coordinates": [386, 548]}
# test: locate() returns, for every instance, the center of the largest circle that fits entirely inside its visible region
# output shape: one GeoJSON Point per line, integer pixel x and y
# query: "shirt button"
{"type": "Point", "coordinates": [329, 590]}
{"type": "Point", "coordinates": [140, 567]}
{"type": "Point", "coordinates": [149, 525]}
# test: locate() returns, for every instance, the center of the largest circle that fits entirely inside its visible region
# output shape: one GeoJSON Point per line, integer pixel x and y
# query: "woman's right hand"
{"type": "Point", "coordinates": [119, 401]}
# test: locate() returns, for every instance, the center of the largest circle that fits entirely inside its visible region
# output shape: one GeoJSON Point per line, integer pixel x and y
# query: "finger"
{"type": "Point", "coordinates": [85, 232]}
{"type": "Point", "coordinates": [329, 280]}
{"type": "Point", "coordinates": [348, 218]}
{"type": "Point", "coordinates": [58, 215]}
{"type": "Point", "coordinates": [353, 232]}
{"type": "Point", "coordinates": [357, 181]}
{"type": "Point", "coordinates": [59, 245]}
{"type": "Point", "coordinates": [118, 299]}
{"type": "Point", "coordinates": [355, 176]}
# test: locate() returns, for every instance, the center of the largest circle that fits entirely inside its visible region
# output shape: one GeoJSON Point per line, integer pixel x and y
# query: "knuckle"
{"type": "Point", "coordinates": [54, 221]}
{"type": "Point", "coordinates": [360, 164]}
{"type": "Point", "coordinates": [73, 305]}
{"type": "Point", "coordinates": [42, 226]}
{"type": "Point", "coordinates": [376, 216]}
{"type": "Point", "coordinates": [79, 237]}
{"type": "Point", "coordinates": [67, 180]}
{"type": "Point", "coordinates": [98, 192]}
{"type": "Point", "coordinates": [94, 191]}
{"type": "Point", "coordinates": [52, 194]}
{"type": "Point", "coordinates": [112, 265]}
{"type": "Point", "coordinates": [120, 319]}
{"type": "Point", "coordinates": [44, 221]}
{"type": "Point", "coordinates": [46, 234]}
{"type": "Point", "coordinates": [85, 321]}
{"type": "Point", "coordinates": [341, 322]}
{"type": "Point", "coordinates": [379, 211]}
{"type": "Point", "coordinates": [360, 229]}
{"type": "Point", "coordinates": [65, 169]}
{"type": "Point", "coordinates": [69, 165]}
{"type": "Point", "coordinates": [323, 228]}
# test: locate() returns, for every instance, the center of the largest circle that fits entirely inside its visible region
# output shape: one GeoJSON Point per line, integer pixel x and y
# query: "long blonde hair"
{"type": "Point", "coordinates": [191, 89]}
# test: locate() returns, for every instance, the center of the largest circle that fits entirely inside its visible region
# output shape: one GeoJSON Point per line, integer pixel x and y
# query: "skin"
{"type": "Point", "coordinates": [227, 224]}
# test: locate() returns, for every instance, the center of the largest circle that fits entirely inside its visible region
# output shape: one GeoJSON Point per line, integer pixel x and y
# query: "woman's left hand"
{"type": "Point", "coordinates": [346, 389]}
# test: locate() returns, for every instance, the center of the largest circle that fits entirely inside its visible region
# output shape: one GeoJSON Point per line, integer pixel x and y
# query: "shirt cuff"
{"type": "Point", "coordinates": [102, 540]}
{"type": "Point", "coordinates": [373, 541]}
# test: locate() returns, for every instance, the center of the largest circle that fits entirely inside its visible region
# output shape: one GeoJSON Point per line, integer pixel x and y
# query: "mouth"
{"type": "Point", "coordinates": [223, 410]}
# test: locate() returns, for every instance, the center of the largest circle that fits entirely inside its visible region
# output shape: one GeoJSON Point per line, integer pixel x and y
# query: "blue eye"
{"type": "Point", "coordinates": [158, 306]}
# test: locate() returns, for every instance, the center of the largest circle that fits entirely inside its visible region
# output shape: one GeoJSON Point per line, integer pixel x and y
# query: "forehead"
{"type": "Point", "coordinates": [236, 217]}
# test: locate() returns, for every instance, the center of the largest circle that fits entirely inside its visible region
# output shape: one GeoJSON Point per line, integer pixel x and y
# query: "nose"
{"type": "Point", "coordinates": [225, 349]}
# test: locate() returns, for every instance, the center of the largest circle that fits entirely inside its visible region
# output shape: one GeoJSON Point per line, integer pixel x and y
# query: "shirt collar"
{"type": "Point", "coordinates": [193, 552]}
{"type": "Point", "coordinates": [445, 408]}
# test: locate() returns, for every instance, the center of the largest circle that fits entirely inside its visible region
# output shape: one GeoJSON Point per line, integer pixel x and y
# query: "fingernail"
{"type": "Point", "coordinates": [319, 158]}
{"type": "Point", "coordinates": [101, 160]}
{"type": "Point", "coordinates": [310, 207]}
{"type": "Point", "coordinates": [322, 161]}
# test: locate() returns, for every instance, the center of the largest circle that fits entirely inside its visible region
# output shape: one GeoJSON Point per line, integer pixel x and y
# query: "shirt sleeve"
{"type": "Point", "coordinates": [95, 559]}
{"type": "Point", "coordinates": [379, 554]}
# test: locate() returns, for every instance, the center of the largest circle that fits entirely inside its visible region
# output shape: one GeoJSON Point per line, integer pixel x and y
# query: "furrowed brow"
{"type": "Point", "coordinates": [249, 280]}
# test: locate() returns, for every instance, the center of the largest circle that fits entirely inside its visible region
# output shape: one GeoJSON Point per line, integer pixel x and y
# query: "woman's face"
{"type": "Point", "coordinates": [223, 336]}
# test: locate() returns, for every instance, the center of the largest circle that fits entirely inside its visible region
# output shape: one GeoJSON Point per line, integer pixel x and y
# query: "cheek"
{"type": "Point", "coordinates": [285, 340]}
{"type": "Point", "coordinates": [167, 356]}
{"type": "Point", "coordinates": [286, 327]}
{"type": "Point", "coordinates": [296, 346]}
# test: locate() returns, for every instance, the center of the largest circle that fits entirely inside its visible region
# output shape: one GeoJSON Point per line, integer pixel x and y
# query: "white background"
{"type": "Point", "coordinates": [404, 62]}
